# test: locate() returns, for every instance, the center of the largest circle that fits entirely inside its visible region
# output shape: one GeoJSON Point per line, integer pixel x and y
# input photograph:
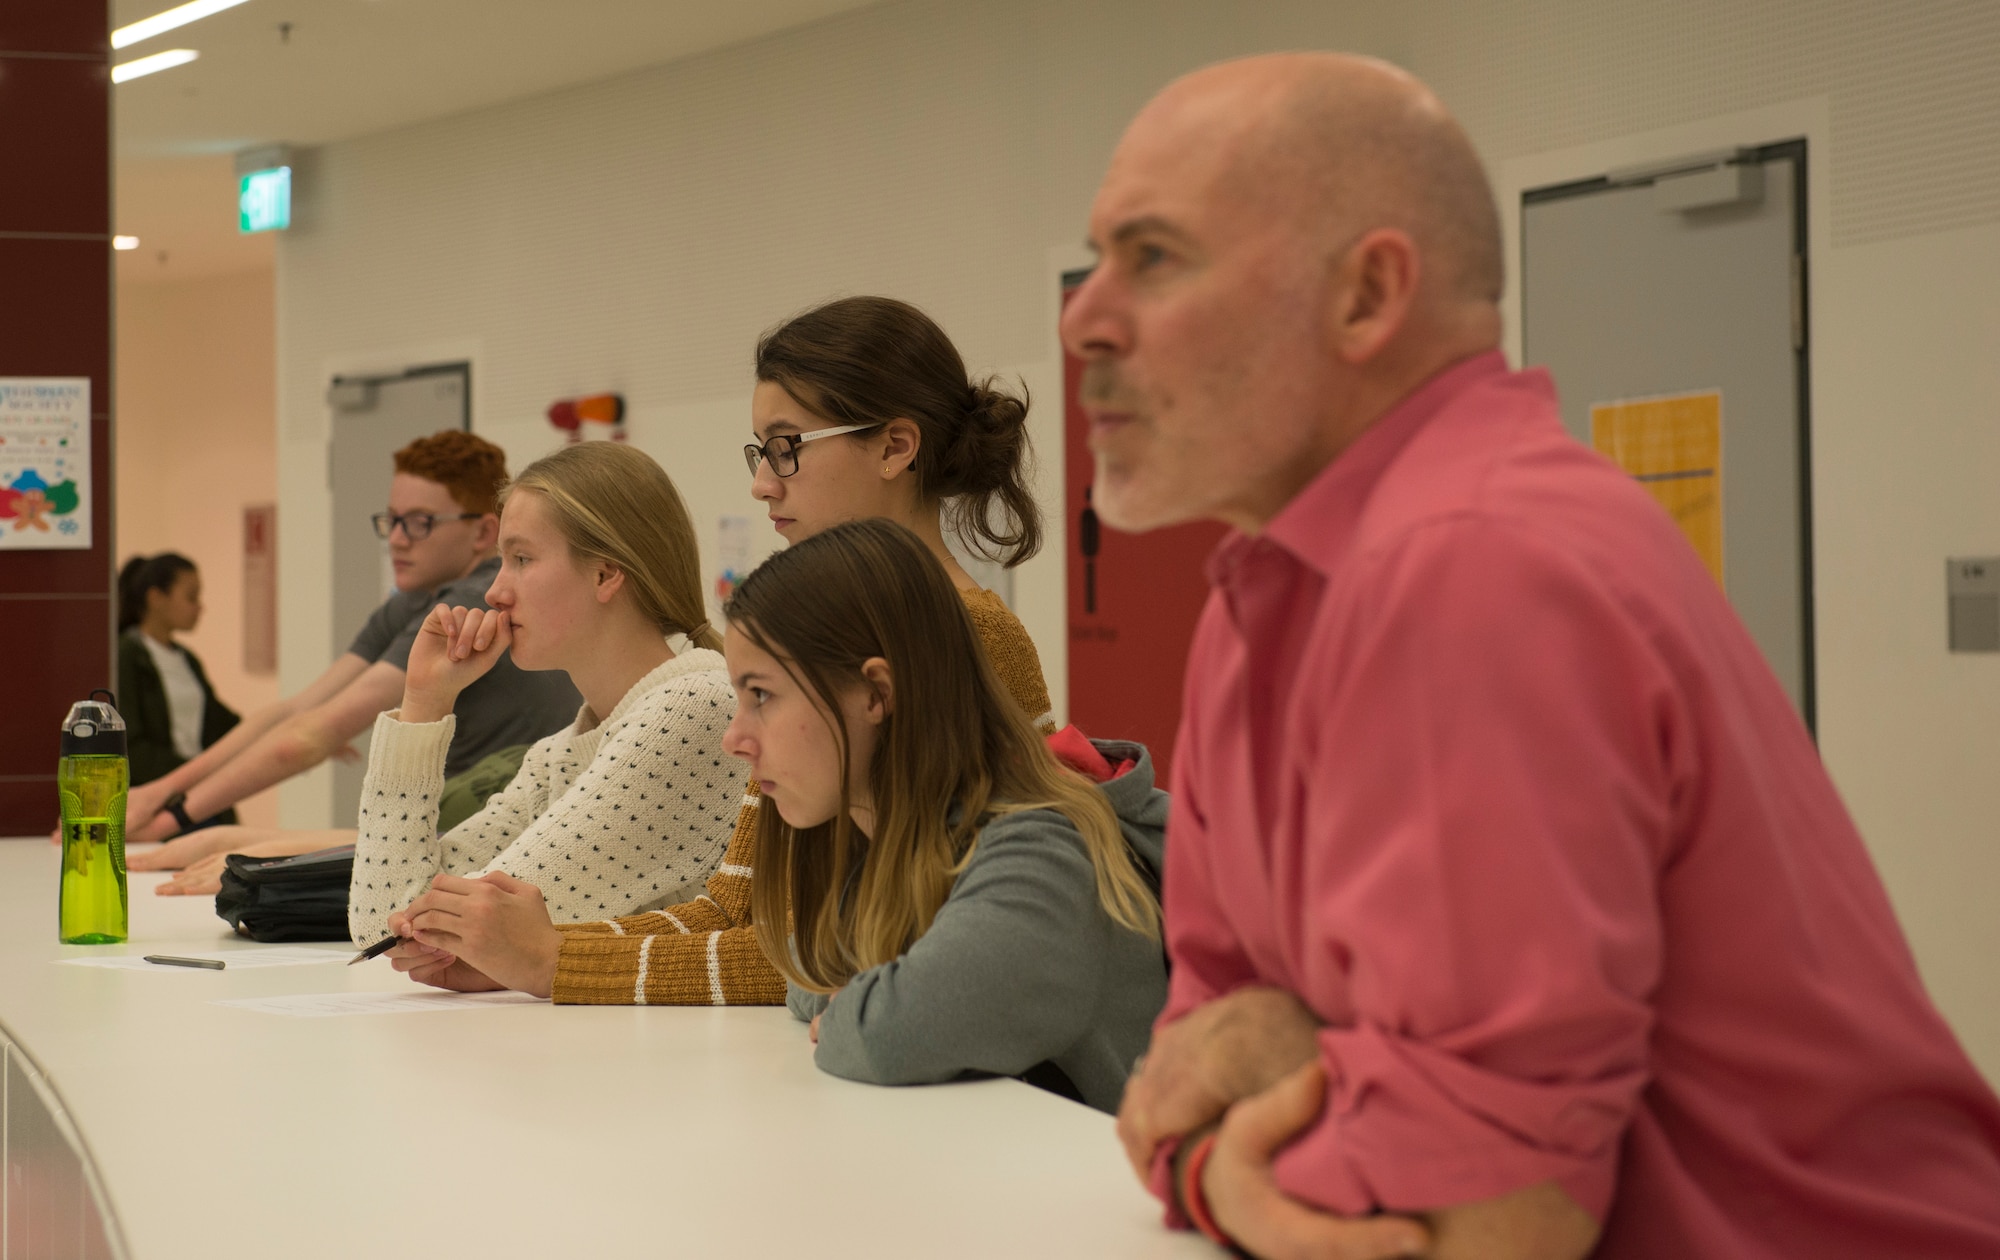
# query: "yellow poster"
{"type": "Point", "coordinates": [1673, 445]}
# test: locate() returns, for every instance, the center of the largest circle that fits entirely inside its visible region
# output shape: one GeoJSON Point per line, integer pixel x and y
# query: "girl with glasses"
{"type": "Point", "coordinates": [863, 409]}
{"type": "Point", "coordinates": [627, 808]}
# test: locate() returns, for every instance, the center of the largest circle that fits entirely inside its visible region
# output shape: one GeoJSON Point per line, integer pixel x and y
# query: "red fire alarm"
{"type": "Point", "coordinates": [593, 418]}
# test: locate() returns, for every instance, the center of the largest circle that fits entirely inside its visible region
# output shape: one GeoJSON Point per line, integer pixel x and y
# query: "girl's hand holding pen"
{"type": "Point", "coordinates": [427, 964]}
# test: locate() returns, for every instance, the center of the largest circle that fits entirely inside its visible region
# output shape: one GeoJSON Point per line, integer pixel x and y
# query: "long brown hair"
{"type": "Point", "coordinates": [953, 752]}
{"type": "Point", "coordinates": [870, 360]}
{"type": "Point", "coordinates": [614, 505]}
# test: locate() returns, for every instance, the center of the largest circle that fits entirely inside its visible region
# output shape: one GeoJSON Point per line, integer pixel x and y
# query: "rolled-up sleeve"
{"type": "Point", "coordinates": [1487, 802]}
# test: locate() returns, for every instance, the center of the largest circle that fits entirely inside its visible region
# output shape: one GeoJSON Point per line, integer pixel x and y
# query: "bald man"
{"type": "Point", "coordinates": [1511, 910]}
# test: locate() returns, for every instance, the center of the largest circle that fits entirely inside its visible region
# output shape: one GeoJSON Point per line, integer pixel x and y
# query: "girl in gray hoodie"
{"type": "Point", "coordinates": [960, 902]}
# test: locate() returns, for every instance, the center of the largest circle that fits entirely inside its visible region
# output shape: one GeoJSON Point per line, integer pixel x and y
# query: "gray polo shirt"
{"type": "Point", "coordinates": [508, 706]}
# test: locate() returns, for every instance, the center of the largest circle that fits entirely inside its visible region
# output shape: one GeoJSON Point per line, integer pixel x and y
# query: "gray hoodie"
{"type": "Point", "coordinates": [1020, 965]}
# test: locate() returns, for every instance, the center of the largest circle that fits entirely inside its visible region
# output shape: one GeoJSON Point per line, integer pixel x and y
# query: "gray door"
{"type": "Point", "coordinates": [373, 418]}
{"type": "Point", "coordinates": [1684, 279]}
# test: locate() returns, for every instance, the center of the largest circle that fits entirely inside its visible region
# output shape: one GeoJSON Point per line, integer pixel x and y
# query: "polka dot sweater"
{"type": "Point", "coordinates": [606, 818]}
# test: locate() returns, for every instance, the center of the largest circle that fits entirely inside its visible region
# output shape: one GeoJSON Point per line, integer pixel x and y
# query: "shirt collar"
{"type": "Point", "coordinates": [1314, 526]}
{"type": "Point", "coordinates": [483, 573]}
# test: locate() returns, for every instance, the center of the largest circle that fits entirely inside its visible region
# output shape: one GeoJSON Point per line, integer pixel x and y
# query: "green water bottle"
{"type": "Point", "coordinates": [92, 778]}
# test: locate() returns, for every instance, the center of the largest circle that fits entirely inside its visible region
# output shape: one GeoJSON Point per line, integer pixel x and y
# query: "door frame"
{"type": "Point", "coordinates": [1798, 129]}
{"type": "Point", "coordinates": [305, 556]}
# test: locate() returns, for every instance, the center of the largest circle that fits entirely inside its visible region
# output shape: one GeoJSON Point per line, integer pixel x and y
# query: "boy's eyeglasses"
{"type": "Point", "coordinates": [417, 526]}
{"type": "Point", "coordinates": [783, 450]}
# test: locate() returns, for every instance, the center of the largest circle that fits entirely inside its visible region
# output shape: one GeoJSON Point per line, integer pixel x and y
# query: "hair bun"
{"type": "Point", "coordinates": [995, 410]}
{"type": "Point", "coordinates": [871, 360]}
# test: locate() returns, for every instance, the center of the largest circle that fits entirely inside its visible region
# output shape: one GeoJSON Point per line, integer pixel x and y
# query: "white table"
{"type": "Point", "coordinates": [511, 1131]}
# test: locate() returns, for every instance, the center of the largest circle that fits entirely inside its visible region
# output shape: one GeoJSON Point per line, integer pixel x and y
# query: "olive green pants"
{"type": "Point", "coordinates": [465, 794]}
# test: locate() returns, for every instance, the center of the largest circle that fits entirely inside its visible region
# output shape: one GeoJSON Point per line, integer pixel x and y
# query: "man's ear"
{"type": "Point", "coordinates": [881, 689]}
{"type": "Point", "coordinates": [610, 580]}
{"type": "Point", "coordinates": [486, 534]}
{"type": "Point", "coordinates": [1374, 290]}
{"type": "Point", "coordinates": [899, 442]}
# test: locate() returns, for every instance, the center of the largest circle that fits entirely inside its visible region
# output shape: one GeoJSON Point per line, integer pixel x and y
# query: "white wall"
{"type": "Point", "coordinates": [196, 445]}
{"type": "Point", "coordinates": [637, 234]}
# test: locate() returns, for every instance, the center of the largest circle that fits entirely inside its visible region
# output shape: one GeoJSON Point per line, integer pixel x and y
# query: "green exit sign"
{"type": "Point", "coordinates": [264, 200]}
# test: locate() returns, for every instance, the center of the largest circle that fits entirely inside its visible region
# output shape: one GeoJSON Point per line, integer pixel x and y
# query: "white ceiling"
{"type": "Point", "coordinates": [350, 67]}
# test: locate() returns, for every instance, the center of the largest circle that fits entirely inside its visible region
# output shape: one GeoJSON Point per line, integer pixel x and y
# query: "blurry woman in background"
{"type": "Point", "coordinates": [171, 712]}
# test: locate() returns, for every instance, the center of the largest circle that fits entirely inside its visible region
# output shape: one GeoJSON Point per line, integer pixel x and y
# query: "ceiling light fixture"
{"type": "Point", "coordinates": [124, 242]}
{"type": "Point", "coordinates": [161, 23]}
{"type": "Point", "coordinates": [153, 65]}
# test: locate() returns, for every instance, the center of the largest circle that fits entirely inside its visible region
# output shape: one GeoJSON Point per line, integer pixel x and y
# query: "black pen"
{"type": "Point", "coordinates": [168, 960]}
{"type": "Point", "coordinates": [376, 950]}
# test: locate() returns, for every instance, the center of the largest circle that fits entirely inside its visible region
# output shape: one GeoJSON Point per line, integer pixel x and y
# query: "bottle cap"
{"type": "Point", "coordinates": [93, 728]}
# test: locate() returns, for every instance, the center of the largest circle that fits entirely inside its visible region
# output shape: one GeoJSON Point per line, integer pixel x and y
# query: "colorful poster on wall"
{"type": "Point", "coordinates": [1673, 446]}
{"type": "Point", "coordinates": [45, 496]}
{"type": "Point", "coordinates": [732, 549]}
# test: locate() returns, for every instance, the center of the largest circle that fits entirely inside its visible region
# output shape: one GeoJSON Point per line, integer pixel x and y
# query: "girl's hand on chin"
{"type": "Point", "coordinates": [454, 649]}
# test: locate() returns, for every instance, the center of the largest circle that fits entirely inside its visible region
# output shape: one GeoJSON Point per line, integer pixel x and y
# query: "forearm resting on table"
{"type": "Point", "coordinates": [286, 843]}
{"type": "Point", "coordinates": [185, 850]}
{"type": "Point", "coordinates": [204, 875]}
{"type": "Point", "coordinates": [1538, 1222]}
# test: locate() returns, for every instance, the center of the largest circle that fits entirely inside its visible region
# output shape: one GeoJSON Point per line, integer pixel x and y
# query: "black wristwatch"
{"type": "Point", "coordinates": [176, 805]}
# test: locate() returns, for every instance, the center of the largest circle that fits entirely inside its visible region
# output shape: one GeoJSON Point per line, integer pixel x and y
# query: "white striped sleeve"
{"type": "Point", "coordinates": [639, 985]}
{"type": "Point", "coordinates": [715, 970]}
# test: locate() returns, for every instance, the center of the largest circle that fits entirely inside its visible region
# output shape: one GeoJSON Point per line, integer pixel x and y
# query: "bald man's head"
{"type": "Point", "coordinates": [1347, 144]}
{"type": "Point", "coordinates": [1287, 246]}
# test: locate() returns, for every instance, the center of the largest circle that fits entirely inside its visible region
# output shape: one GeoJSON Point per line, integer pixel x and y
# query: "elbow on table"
{"type": "Point", "coordinates": [888, 1056]}
{"type": "Point", "coordinates": [804, 1004]}
{"type": "Point", "coordinates": [850, 1057]}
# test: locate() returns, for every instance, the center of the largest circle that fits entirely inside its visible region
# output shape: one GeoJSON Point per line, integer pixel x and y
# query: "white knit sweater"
{"type": "Point", "coordinates": [606, 818]}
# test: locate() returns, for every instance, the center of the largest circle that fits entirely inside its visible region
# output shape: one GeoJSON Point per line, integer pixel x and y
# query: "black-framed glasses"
{"type": "Point", "coordinates": [417, 526]}
{"type": "Point", "coordinates": [783, 450]}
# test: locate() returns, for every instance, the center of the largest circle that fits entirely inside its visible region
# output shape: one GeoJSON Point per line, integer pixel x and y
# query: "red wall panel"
{"type": "Point", "coordinates": [55, 255]}
{"type": "Point", "coordinates": [45, 102]}
{"type": "Point", "coordinates": [57, 26]}
{"type": "Point", "coordinates": [1132, 607]}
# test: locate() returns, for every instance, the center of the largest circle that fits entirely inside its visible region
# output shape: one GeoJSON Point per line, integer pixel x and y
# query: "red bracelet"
{"type": "Point", "coordinates": [1193, 1201]}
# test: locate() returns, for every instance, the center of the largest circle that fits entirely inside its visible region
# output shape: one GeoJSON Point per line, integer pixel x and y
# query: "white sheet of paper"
{"type": "Point", "coordinates": [321, 1005]}
{"type": "Point", "coordinates": [234, 959]}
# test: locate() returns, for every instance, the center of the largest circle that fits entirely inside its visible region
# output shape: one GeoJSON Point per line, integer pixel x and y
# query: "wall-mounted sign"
{"type": "Point", "coordinates": [732, 551]}
{"type": "Point", "coordinates": [264, 200]}
{"type": "Point", "coordinates": [1673, 445]}
{"type": "Point", "coordinates": [260, 589]}
{"type": "Point", "coordinates": [45, 496]}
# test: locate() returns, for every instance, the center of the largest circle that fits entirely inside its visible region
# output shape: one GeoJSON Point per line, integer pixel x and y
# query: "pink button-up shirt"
{"type": "Point", "coordinates": [1478, 762]}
